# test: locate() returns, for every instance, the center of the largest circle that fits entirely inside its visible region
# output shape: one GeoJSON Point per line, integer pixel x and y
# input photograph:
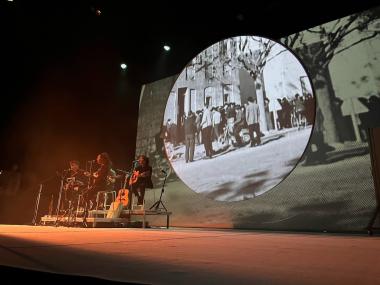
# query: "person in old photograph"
{"type": "Point", "coordinates": [198, 120]}
{"type": "Point", "coordinates": [299, 108]}
{"type": "Point", "coordinates": [171, 132]}
{"type": "Point", "coordinates": [216, 118]}
{"type": "Point", "coordinates": [238, 124]}
{"type": "Point", "coordinates": [169, 137]}
{"type": "Point", "coordinates": [206, 125]}
{"type": "Point", "coordinates": [252, 114]}
{"type": "Point", "coordinates": [268, 116]}
{"type": "Point", "coordinates": [190, 129]}
{"type": "Point", "coordinates": [285, 113]}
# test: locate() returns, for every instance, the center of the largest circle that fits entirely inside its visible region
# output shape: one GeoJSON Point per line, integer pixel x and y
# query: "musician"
{"type": "Point", "coordinates": [75, 181]}
{"type": "Point", "coordinates": [100, 178]}
{"type": "Point", "coordinates": [141, 178]}
{"type": "Point", "coordinates": [76, 172]}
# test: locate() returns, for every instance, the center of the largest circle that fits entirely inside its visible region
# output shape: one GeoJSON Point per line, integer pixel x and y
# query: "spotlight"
{"type": "Point", "coordinates": [123, 66]}
{"type": "Point", "coordinates": [98, 12]}
{"type": "Point", "coordinates": [166, 47]}
{"type": "Point", "coordinates": [240, 17]}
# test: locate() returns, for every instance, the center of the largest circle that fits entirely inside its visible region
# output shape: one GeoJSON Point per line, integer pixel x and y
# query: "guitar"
{"type": "Point", "coordinates": [118, 205]}
{"type": "Point", "coordinates": [122, 197]}
{"type": "Point", "coordinates": [134, 177]}
{"type": "Point", "coordinates": [111, 178]}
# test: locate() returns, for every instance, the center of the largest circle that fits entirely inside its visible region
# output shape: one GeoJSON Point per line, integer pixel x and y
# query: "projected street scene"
{"type": "Point", "coordinates": [238, 118]}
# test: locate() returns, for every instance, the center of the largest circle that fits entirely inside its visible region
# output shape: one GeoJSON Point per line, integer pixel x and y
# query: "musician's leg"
{"type": "Point", "coordinates": [91, 199]}
{"type": "Point", "coordinates": [141, 191]}
{"type": "Point", "coordinates": [130, 199]}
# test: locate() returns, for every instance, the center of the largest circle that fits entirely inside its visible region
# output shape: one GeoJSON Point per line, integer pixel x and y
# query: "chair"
{"type": "Point", "coordinates": [106, 196]}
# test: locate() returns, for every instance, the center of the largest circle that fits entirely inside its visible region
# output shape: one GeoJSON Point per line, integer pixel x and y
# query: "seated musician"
{"type": "Point", "coordinates": [100, 178]}
{"type": "Point", "coordinates": [141, 179]}
{"type": "Point", "coordinates": [75, 182]}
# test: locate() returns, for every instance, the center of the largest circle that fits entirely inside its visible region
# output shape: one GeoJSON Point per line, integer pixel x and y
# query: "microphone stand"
{"type": "Point", "coordinates": [34, 221]}
{"type": "Point", "coordinates": [85, 213]}
{"type": "Point", "coordinates": [131, 186]}
{"type": "Point", "coordinates": [37, 203]}
{"type": "Point", "coordinates": [157, 204]}
{"type": "Point", "coordinates": [59, 199]}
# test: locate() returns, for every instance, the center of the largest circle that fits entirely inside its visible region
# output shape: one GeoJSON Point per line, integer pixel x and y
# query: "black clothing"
{"type": "Point", "coordinates": [75, 183]}
{"type": "Point", "coordinates": [99, 182]}
{"type": "Point", "coordinates": [190, 129]}
{"type": "Point", "coordinates": [138, 188]}
{"type": "Point", "coordinates": [147, 181]}
{"type": "Point", "coordinates": [79, 176]}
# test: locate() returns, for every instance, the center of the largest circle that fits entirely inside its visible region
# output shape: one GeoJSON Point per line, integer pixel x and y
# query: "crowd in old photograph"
{"type": "Point", "coordinates": [218, 128]}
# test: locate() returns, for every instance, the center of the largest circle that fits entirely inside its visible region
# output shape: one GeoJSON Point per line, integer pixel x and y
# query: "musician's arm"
{"type": "Point", "coordinates": [145, 174]}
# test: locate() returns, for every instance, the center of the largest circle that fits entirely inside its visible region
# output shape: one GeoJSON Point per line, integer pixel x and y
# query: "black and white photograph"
{"type": "Point", "coordinates": [238, 118]}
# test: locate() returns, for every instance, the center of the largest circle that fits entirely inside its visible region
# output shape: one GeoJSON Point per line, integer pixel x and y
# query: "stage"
{"type": "Point", "coordinates": [193, 256]}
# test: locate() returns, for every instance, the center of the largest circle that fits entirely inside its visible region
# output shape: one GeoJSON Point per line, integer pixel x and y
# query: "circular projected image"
{"type": "Point", "coordinates": [238, 118]}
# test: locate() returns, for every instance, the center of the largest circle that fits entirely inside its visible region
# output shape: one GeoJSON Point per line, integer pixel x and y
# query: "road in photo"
{"type": "Point", "coordinates": [246, 172]}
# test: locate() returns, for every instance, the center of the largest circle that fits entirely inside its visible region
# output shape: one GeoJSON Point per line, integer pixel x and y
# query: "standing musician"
{"type": "Point", "coordinates": [102, 178]}
{"type": "Point", "coordinates": [141, 178]}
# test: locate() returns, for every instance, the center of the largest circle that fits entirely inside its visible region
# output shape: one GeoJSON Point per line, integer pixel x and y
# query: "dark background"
{"type": "Point", "coordinates": [63, 94]}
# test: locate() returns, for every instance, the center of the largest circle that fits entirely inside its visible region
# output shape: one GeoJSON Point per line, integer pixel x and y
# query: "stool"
{"type": "Point", "coordinates": [105, 196]}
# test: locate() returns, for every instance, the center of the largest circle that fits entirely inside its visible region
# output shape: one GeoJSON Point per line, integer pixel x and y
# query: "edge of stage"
{"type": "Point", "coordinates": [185, 256]}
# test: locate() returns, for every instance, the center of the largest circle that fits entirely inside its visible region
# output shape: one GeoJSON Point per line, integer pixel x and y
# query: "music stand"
{"type": "Point", "coordinates": [157, 204]}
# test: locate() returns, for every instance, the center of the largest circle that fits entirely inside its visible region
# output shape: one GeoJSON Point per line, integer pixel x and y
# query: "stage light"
{"type": "Point", "coordinates": [166, 47]}
{"type": "Point", "coordinates": [123, 66]}
{"type": "Point", "coordinates": [240, 17]}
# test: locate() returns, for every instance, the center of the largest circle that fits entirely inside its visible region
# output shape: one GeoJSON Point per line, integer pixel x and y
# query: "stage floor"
{"type": "Point", "coordinates": [192, 256]}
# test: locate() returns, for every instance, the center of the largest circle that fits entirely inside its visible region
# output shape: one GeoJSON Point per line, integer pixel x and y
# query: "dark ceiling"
{"type": "Point", "coordinates": [63, 93]}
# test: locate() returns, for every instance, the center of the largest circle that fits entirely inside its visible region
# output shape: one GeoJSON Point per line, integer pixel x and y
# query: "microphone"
{"type": "Point", "coordinates": [91, 160]}
{"type": "Point", "coordinates": [163, 171]}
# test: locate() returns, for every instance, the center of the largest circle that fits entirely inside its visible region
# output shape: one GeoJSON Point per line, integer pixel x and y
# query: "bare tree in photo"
{"type": "Point", "coordinates": [332, 39]}
{"type": "Point", "coordinates": [239, 56]}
